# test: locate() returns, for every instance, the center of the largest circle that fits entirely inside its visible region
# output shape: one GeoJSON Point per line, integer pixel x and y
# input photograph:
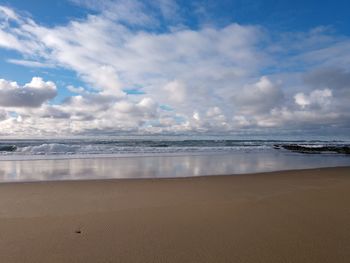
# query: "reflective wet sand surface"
{"type": "Point", "coordinates": [164, 166]}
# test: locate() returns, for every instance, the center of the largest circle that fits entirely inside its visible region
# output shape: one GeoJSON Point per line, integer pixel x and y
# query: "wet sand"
{"type": "Point", "coordinates": [293, 216]}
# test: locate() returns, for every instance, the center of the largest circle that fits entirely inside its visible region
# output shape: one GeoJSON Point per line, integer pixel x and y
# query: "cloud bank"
{"type": "Point", "coordinates": [221, 80]}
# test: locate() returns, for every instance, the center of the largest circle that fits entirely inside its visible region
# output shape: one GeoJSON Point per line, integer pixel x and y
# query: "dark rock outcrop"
{"type": "Point", "coordinates": [309, 149]}
{"type": "Point", "coordinates": [8, 148]}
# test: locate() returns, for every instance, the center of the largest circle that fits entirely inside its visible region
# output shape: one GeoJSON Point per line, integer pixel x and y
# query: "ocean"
{"type": "Point", "coordinates": [88, 158]}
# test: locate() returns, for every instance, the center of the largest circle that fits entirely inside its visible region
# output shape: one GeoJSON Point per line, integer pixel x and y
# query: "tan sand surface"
{"type": "Point", "coordinates": [293, 216]}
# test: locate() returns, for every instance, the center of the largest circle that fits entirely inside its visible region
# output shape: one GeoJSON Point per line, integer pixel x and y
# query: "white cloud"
{"type": "Point", "coordinates": [176, 91]}
{"type": "Point", "coordinates": [77, 90]}
{"type": "Point", "coordinates": [319, 98]}
{"type": "Point", "coordinates": [30, 63]}
{"type": "Point", "coordinates": [3, 115]}
{"type": "Point", "coordinates": [258, 98]}
{"type": "Point", "coordinates": [32, 94]}
{"type": "Point", "coordinates": [9, 41]}
{"type": "Point", "coordinates": [241, 121]}
{"type": "Point", "coordinates": [134, 12]}
{"type": "Point", "coordinates": [213, 78]}
{"type": "Point", "coordinates": [214, 111]}
{"type": "Point", "coordinates": [168, 8]}
{"type": "Point", "coordinates": [196, 116]}
{"type": "Point", "coordinates": [8, 13]}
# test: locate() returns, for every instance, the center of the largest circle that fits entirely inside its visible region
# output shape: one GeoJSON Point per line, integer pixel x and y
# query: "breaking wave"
{"type": "Point", "coordinates": [71, 147]}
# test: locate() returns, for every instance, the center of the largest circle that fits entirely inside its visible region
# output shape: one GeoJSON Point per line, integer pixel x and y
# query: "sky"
{"type": "Point", "coordinates": [133, 67]}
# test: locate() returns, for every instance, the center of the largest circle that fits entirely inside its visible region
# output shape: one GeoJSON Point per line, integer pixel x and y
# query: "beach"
{"type": "Point", "coordinates": [289, 216]}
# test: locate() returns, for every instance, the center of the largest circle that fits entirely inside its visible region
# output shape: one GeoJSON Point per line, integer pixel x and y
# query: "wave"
{"type": "Point", "coordinates": [96, 147]}
{"type": "Point", "coordinates": [49, 148]}
{"type": "Point", "coordinates": [120, 147]}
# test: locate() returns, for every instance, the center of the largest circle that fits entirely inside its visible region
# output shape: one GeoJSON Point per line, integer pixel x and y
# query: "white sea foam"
{"type": "Point", "coordinates": [313, 145]}
{"type": "Point", "coordinates": [54, 148]}
{"type": "Point", "coordinates": [51, 149]}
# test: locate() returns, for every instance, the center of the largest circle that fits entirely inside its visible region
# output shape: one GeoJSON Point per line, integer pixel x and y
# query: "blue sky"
{"type": "Point", "coordinates": [283, 15]}
{"type": "Point", "coordinates": [174, 67]}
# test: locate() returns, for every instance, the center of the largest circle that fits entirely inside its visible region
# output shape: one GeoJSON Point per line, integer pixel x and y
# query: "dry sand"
{"type": "Point", "coordinates": [294, 216]}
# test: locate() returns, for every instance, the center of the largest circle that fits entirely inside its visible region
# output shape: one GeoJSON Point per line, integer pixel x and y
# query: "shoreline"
{"type": "Point", "coordinates": [190, 177]}
{"type": "Point", "coordinates": [53, 157]}
{"type": "Point", "coordinates": [61, 157]}
{"type": "Point", "coordinates": [174, 166]}
{"type": "Point", "coordinates": [290, 216]}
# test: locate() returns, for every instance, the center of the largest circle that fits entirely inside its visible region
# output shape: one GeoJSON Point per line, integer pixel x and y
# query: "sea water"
{"type": "Point", "coordinates": [88, 158]}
